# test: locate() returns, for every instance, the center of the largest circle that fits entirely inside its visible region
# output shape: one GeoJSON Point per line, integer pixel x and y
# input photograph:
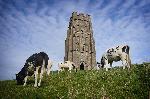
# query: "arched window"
{"type": "Point", "coordinates": [82, 66]}
{"type": "Point", "coordinates": [83, 48]}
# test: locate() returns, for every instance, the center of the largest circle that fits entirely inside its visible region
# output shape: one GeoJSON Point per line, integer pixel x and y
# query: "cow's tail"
{"type": "Point", "coordinates": [127, 49]}
{"type": "Point", "coordinates": [128, 57]}
{"type": "Point", "coordinates": [129, 61]}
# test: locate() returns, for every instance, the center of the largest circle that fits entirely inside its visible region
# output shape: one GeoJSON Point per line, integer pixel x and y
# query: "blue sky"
{"type": "Point", "coordinates": [31, 26]}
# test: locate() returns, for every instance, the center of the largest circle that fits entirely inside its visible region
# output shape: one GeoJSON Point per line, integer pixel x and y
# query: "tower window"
{"type": "Point", "coordinates": [83, 48]}
{"type": "Point", "coordinates": [82, 66]}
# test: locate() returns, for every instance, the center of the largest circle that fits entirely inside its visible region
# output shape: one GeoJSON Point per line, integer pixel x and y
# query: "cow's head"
{"type": "Point", "coordinates": [99, 65]}
{"type": "Point", "coordinates": [102, 62]}
{"type": "Point", "coordinates": [73, 66]}
{"type": "Point", "coordinates": [19, 79]}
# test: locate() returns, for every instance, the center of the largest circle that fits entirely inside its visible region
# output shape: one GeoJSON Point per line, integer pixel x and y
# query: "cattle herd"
{"type": "Point", "coordinates": [39, 63]}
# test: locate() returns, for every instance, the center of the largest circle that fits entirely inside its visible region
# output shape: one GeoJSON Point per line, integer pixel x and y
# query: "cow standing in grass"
{"type": "Point", "coordinates": [67, 65]}
{"type": "Point", "coordinates": [115, 54]}
{"type": "Point", "coordinates": [37, 63]}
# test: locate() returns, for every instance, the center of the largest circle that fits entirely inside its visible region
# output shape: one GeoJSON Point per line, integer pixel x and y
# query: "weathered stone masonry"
{"type": "Point", "coordinates": [80, 44]}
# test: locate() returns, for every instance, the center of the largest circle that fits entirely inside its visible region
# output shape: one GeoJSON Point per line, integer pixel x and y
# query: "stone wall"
{"type": "Point", "coordinates": [80, 44]}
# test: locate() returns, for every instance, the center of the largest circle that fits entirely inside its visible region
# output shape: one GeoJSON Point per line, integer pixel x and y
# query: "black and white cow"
{"type": "Point", "coordinates": [37, 63]}
{"type": "Point", "coordinates": [67, 65]}
{"type": "Point", "coordinates": [115, 54]}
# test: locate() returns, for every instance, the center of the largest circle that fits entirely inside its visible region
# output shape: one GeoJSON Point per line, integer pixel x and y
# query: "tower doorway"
{"type": "Point", "coordinates": [82, 66]}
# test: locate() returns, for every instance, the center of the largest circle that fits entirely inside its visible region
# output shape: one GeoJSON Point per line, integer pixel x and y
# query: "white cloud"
{"type": "Point", "coordinates": [44, 28]}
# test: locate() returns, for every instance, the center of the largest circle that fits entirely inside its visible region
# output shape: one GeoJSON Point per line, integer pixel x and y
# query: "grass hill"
{"type": "Point", "coordinates": [113, 84]}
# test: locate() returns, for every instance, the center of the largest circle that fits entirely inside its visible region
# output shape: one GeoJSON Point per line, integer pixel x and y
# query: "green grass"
{"type": "Point", "coordinates": [113, 84]}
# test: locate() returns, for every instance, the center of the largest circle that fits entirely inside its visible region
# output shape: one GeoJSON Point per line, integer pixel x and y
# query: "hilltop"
{"type": "Point", "coordinates": [115, 83]}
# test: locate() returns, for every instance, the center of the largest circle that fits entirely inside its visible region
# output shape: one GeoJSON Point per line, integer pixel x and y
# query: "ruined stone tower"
{"type": "Point", "coordinates": [80, 44]}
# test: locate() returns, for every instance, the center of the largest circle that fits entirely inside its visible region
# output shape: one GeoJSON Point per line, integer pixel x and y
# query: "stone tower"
{"type": "Point", "coordinates": [80, 44]}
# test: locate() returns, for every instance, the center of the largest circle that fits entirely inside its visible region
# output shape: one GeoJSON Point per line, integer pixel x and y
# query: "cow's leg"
{"type": "Point", "coordinates": [111, 64]}
{"type": "Point", "coordinates": [128, 62]}
{"type": "Point", "coordinates": [25, 80]}
{"type": "Point", "coordinates": [48, 70]}
{"type": "Point", "coordinates": [49, 67]}
{"type": "Point", "coordinates": [60, 69]}
{"type": "Point", "coordinates": [106, 69]}
{"type": "Point", "coordinates": [124, 60]}
{"type": "Point", "coordinates": [124, 64]}
{"type": "Point", "coordinates": [70, 69]}
{"type": "Point", "coordinates": [106, 65]}
{"type": "Point", "coordinates": [36, 75]}
{"type": "Point", "coordinates": [128, 65]}
{"type": "Point", "coordinates": [41, 75]}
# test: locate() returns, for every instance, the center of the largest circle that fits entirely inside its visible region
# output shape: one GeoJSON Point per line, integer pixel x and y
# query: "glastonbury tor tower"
{"type": "Point", "coordinates": [80, 44]}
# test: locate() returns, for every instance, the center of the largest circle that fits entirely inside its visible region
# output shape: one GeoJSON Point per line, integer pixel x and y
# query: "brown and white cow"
{"type": "Point", "coordinates": [36, 63]}
{"type": "Point", "coordinates": [115, 54]}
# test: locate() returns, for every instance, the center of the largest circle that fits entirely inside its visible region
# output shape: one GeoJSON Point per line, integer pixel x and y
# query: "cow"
{"type": "Point", "coordinates": [115, 54]}
{"type": "Point", "coordinates": [67, 65]}
{"type": "Point", "coordinates": [36, 63]}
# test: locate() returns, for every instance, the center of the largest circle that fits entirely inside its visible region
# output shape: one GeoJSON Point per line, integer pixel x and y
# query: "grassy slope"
{"type": "Point", "coordinates": [115, 83]}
